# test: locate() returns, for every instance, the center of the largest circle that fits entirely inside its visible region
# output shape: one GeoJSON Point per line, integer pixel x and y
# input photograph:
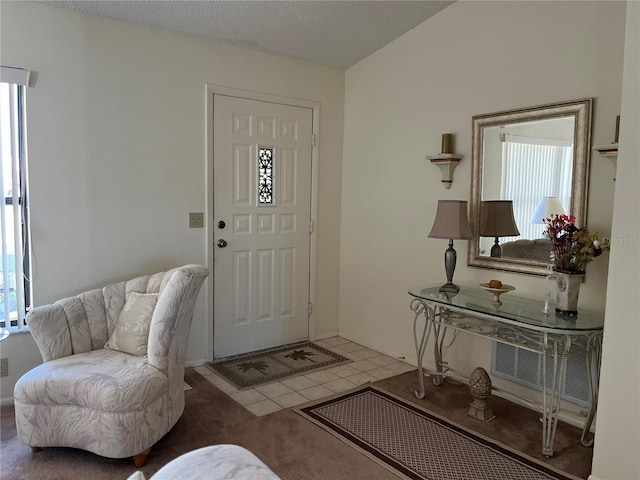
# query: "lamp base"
{"type": "Point", "coordinates": [449, 288]}
{"type": "Point", "coordinates": [496, 250]}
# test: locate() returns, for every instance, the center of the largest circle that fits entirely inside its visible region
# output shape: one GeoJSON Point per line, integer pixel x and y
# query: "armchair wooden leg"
{"type": "Point", "coordinates": [35, 449]}
{"type": "Point", "coordinates": [140, 459]}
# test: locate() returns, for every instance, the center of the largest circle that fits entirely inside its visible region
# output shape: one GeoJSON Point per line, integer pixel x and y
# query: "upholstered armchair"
{"type": "Point", "coordinates": [112, 381]}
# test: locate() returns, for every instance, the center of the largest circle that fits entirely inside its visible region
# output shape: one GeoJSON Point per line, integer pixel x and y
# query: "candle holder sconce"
{"type": "Point", "coordinates": [446, 160]}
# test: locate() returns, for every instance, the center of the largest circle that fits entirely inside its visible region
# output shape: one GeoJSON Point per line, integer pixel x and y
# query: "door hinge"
{"type": "Point", "coordinates": [310, 226]}
{"type": "Point", "coordinates": [309, 309]}
{"type": "Point", "coordinates": [313, 140]}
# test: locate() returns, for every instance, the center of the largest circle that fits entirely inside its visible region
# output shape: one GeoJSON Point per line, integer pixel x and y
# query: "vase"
{"type": "Point", "coordinates": [567, 291]}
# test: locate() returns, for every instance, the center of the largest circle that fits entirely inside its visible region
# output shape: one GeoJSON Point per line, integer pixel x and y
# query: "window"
{"type": "Point", "coordinates": [545, 167]}
{"type": "Point", "coordinates": [15, 269]}
{"type": "Point", "coordinates": [265, 176]}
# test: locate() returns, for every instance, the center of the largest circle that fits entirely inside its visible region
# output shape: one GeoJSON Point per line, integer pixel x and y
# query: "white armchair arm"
{"type": "Point", "coordinates": [50, 330]}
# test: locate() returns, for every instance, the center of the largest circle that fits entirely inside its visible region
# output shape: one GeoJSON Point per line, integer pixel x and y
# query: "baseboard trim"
{"type": "Point", "coordinates": [593, 477]}
{"type": "Point", "coordinates": [195, 363]}
{"type": "Point", "coordinates": [574, 420]}
{"type": "Point", "coordinates": [322, 336]}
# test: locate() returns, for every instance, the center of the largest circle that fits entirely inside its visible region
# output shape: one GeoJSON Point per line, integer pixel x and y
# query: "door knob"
{"type": "Point", "coordinates": [222, 243]}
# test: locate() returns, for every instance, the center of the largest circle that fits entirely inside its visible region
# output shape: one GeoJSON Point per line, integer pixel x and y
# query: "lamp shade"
{"type": "Point", "coordinates": [547, 207]}
{"type": "Point", "coordinates": [496, 219]}
{"type": "Point", "coordinates": [451, 220]}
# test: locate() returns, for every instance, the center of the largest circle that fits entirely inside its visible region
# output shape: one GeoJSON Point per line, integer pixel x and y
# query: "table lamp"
{"type": "Point", "coordinates": [451, 223]}
{"type": "Point", "coordinates": [496, 220]}
{"type": "Point", "coordinates": [548, 206]}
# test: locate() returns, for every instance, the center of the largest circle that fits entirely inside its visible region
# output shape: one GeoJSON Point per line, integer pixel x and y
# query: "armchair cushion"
{"type": "Point", "coordinates": [101, 380]}
{"type": "Point", "coordinates": [131, 332]}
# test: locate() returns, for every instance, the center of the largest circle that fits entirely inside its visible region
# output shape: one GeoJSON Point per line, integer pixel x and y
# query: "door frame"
{"type": "Point", "coordinates": [211, 90]}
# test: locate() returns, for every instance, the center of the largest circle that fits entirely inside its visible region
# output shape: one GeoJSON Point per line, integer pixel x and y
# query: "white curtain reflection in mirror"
{"type": "Point", "coordinates": [533, 168]}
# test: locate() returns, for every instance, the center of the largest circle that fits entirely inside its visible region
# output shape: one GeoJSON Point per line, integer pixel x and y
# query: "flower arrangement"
{"type": "Point", "coordinates": [573, 247]}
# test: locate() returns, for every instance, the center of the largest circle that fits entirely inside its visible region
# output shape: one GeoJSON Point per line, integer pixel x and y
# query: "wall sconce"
{"type": "Point", "coordinates": [447, 161]}
{"type": "Point", "coordinates": [496, 220]}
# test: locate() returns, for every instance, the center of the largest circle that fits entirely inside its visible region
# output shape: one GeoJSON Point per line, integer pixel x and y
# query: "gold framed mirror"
{"type": "Point", "coordinates": [525, 155]}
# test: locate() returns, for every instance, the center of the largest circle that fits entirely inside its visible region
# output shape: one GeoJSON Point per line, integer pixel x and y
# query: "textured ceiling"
{"type": "Point", "coordinates": [334, 33]}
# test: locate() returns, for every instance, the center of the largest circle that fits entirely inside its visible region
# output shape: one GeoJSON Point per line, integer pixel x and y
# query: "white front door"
{"type": "Point", "coordinates": [262, 219]}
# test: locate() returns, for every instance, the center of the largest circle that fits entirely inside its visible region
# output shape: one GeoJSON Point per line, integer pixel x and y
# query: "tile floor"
{"type": "Point", "coordinates": [367, 366]}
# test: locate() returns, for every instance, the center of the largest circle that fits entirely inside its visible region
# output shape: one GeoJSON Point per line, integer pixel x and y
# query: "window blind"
{"type": "Point", "coordinates": [15, 294]}
{"type": "Point", "coordinates": [534, 168]}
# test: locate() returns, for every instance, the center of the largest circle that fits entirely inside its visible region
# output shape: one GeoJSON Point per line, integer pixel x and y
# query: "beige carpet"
{"type": "Point", "coordinates": [291, 445]}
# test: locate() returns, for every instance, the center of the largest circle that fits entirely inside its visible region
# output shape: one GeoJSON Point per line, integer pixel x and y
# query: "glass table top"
{"type": "Point", "coordinates": [514, 308]}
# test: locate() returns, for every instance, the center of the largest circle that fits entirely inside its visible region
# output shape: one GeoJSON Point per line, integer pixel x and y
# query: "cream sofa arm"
{"type": "Point", "coordinates": [229, 462]}
{"type": "Point", "coordinates": [50, 330]}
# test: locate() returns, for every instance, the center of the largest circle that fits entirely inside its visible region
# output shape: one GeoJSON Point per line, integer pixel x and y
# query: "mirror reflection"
{"type": "Point", "coordinates": [527, 164]}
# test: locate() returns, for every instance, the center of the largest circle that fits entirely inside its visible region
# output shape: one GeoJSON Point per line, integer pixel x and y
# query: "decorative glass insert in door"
{"type": "Point", "coordinates": [266, 157]}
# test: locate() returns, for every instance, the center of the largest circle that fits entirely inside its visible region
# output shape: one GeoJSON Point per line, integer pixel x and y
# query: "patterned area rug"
{"type": "Point", "coordinates": [258, 368]}
{"type": "Point", "coordinates": [417, 444]}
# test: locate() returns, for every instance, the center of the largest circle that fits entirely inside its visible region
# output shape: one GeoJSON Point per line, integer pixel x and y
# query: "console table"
{"type": "Point", "coordinates": [518, 322]}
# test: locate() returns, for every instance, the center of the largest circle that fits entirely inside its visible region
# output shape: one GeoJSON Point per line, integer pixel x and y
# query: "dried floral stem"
{"type": "Point", "coordinates": [573, 248]}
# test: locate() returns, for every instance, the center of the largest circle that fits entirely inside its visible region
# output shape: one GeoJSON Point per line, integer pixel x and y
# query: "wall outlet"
{"type": "Point", "coordinates": [4, 367]}
{"type": "Point", "coordinates": [196, 220]}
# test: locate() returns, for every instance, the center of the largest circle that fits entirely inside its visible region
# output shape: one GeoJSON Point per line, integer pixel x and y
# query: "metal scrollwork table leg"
{"type": "Point", "coordinates": [421, 334]}
{"type": "Point", "coordinates": [593, 355]}
{"type": "Point", "coordinates": [420, 339]}
{"type": "Point", "coordinates": [559, 347]}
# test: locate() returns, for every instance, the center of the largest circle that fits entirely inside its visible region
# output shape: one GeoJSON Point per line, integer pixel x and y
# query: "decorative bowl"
{"type": "Point", "coordinates": [497, 291]}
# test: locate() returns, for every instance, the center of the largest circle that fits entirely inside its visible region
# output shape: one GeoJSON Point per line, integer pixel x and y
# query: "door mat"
{"type": "Point", "coordinates": [257, 368]}
{"type": "Point", "coordinates": [417, 444]}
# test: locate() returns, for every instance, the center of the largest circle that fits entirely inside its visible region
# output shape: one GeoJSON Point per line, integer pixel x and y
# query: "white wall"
{"type": "Point", "coordinates": [618, 441]}
{"type": "Point", "coordinates": [471, 58]}
{"type": "Point", "coordinates": [116, 126]}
